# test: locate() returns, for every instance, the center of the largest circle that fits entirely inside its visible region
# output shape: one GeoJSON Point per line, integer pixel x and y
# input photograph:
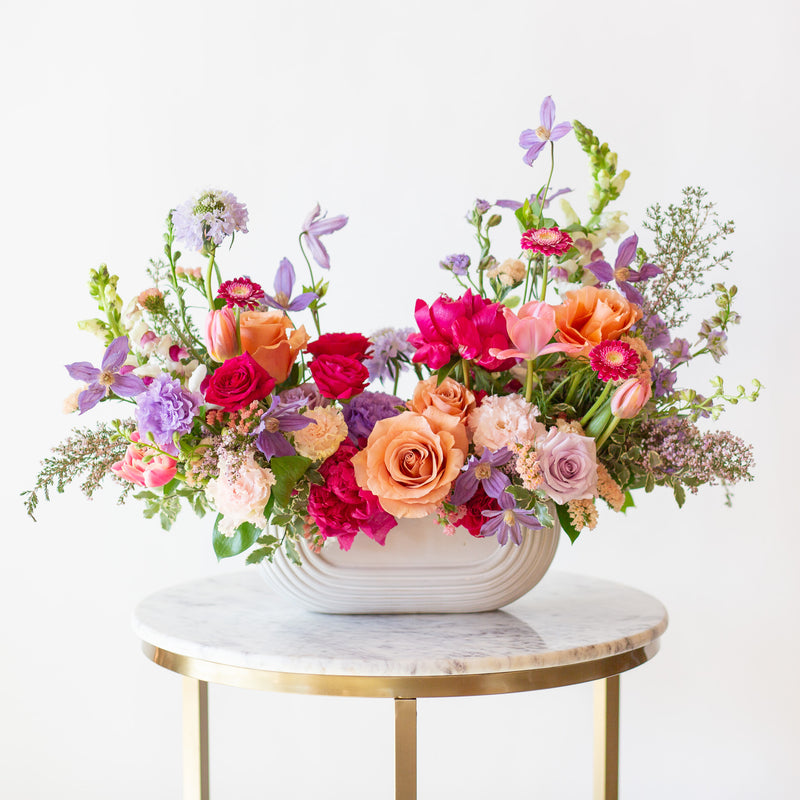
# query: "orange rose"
{"type": "Point", "coordinates": [589, 315]}
{"type": "Point", "coordinates": [449, 399]}
{"type": "Point", "coordinates": [271, 339]}
{"type": "Point", "coordinates": [409, 463]}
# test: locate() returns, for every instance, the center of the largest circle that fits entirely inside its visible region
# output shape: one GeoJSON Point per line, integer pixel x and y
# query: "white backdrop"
{"type": "Point", "coordinates": [398, 115]}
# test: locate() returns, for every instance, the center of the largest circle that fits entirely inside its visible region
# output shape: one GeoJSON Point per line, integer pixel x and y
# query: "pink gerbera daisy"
{"type": "Point", "coordinates": [613, 361]}
{"type": "Point", "coordinates": [548, 241]}
{"type": "Point", "coordinates": [241, 292]}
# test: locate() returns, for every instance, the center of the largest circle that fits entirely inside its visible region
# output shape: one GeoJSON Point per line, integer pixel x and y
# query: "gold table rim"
{"type": "Point", "coordinates": [402, 686]}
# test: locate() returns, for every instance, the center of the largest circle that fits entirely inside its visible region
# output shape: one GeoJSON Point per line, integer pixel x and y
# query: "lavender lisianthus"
{"type": "Point", "coordinates": [209, 218]}
{"type": "Point", "coordinates": [678, 352]}
{"type": "Point", "coordinates": [366, 409]}
{"type": "Point", "coordinates": [663, 380]}
{"type": "Point", "coordinates": [654, 331]}
{"type": "Point", "coordinates": [166, 408]}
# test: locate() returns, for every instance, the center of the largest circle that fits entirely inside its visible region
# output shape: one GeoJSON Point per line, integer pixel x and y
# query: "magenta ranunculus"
{"type": "Point", "coordinates": [341, 508]}
{"type": "Point", "coordinates": [238, 382]}
{"type": "Point", "coordinates": [468, 327]}
{"type": "Point", "coordinates": [569, 465]}
{"type": "Point", "coordinates": [339, 377]}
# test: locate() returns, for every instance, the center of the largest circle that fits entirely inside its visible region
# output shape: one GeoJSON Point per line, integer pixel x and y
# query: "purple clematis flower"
{"type": "Point", "coordinates": [284, 284]}
{"type": "Point", "coordinates": [483, 470]}
{"type": "Point", "coordinates": [534, 140]}
{"type": "Point", "coordinates": [105, 378]}
{"type": "Point", "coordinates": [534, 198]}
{"type": "Point", "coordinates": [280, 416]}
{"type": "Point", "coordinates": [621, 273]}
{"type": "Point", "coordinates": [315, 226]}
{"type": "Point", "coordinates": [508, 521]}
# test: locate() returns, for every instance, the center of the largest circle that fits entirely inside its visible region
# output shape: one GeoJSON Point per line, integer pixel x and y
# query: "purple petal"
{"type": "Point", "coordinates": [547, 112]}
{"type": "Point", "coordinates": [645, 273]}
{"type": "Point", "coordinates": [528, 138]}
{"type": "Point", "coordinates": [270, 301]}
{"type": "Point", "coordinates": [295, 422]}
{"type": "Point", "coordinates": [506, 501]}
{"type": "Point", "coordinates": [90, 397]}
{"type": "Point", "coordinates": [318, 251]}
{"type": "Point", "coordinates": [115, 354]}
{"type": "Point", "coordinates": [284, 278]}
{"type": "Point", "coordinates": [626, 252]}
{"type": "Point", "coordinates": [83, 371]}
{"type": "Point", "coordinates": [314, 213]}
{"type": "Point", "coordinates": [496, 458]}
{"type": "Point", "coordinates": [273, 444]}
{"type": "Point", "coordinates": [533, 152]}
{"type": "Point", "coordinates": [465, 488]}
{"type": "Point", "coordinates": [601, 270]}
{"type": "Point", "coordinates": [560, 130]}
{"type": "Point", "coordinates": [632, 294]}
{"type": "Point", "coordinates": [302, 301]}
{"type": "Point", "coordinates": [496, 483]}
{"type": "Point", "coordinates": [127, 385]}
{"type": "Point", "coordinates": [324, 226]}
{"type": "Point", "coordinates": [512, 204]}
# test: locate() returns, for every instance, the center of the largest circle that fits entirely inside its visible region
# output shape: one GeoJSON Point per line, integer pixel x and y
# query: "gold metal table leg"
{"type": "Point", "coordinates": [606, 738]}
{"type": "Point", "coordinates": [405, 748]}
{"type": "Point", "coordinates": [195, 739]}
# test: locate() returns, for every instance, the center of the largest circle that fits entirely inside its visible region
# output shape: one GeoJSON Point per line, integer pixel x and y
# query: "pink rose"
{"type": "Point", "coordinates": [144, 466]}
{"type": "Point", "coordinates": [568, 463]}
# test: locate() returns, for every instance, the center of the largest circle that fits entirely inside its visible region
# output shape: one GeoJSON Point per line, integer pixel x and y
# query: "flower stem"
{"type": "Point", "coordinates": [597, 403]}
{"type": "Point", "coordinates": [465, 372]}
{"type": "Point", "coordinates": [607, 432]}
{"type": "Point", "coordinates": [312, 308]}
{"type": "Point", "coordinates": [529, 381]}
{"type": "Point", "coordinates": [209, 270]}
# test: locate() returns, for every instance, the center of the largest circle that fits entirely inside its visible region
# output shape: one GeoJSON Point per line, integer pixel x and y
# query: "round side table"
{"type": "Point", "coordinates": [229, 629]}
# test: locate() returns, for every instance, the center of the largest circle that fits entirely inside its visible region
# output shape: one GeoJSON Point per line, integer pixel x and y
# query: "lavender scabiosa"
{"type": "Point", "coordinates": [209, 218]}
{"type": "Point", "coordinates": [457, 263]}
{"type": "Point", "coordinates": [391, 353]}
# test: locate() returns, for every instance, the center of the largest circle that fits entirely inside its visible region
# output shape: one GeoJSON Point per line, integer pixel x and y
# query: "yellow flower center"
{"type": "Point", "coordinates": [509, 518]}
{"type": "Point", "coordinates": [271, 425]}
{"type": "Point", "coordinates": [106, 379]}
{"type": "Point", "coordinates": [482, 471]}
{"type": "Point", "coordinates": [542, 132]}
{"type": "Point", "coordinates": [622, 273]}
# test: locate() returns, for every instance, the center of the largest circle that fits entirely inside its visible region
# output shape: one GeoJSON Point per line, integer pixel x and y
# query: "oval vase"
{"type": "Point", "coordinates": [420, 569]}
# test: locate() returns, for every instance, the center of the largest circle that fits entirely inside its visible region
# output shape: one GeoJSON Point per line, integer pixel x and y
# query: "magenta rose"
{"type": "Point", "coordinates": [468, 327]}
{"type": "Point", "coordinates": [568, 462]}
{"type": "Point", "coordinates": [352, 345]}
{"type": "Point", "coordinates": [237, 382]}
{"type": "Point", "coordinates": [341, 508]}
{"type": "Point", "coordinates": [339, 377]}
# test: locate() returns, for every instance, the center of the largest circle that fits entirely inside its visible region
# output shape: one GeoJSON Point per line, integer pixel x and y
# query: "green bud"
{"type": "Point", "coordinates": [494, 220]}
{"type": "Point", "coordinates": [95, 326]}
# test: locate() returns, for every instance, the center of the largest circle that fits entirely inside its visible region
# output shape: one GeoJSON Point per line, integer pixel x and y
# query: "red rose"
{"type": "Point", "coordinates": [341, 508]}
{"type": "Point", "coordinates": [339, 377]}
{"type": "Point", "coordinates": [352, 345]}
{"type": "Point", "coordinates": [237, 382]}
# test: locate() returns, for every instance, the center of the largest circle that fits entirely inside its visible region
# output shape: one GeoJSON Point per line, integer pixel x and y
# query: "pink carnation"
{"type": "Point", "coordinates": [501, 420]}
{"type": "Point", "coordinates": [144, 466]}
{"type": "Point", "coordinates": [341, 508]}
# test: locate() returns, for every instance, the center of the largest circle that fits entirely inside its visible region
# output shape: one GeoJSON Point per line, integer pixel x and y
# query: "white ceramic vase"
{"type": "Point", "coordinates": [419, 570]}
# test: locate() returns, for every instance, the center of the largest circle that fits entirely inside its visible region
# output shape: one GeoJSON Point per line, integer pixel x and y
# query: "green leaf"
{"type": "Point", "coordinates": [566, 523]}
{"type": "Point", "coordinates": [226, 546]}
{"type": "Point", "coordinates": [287, 470]}
{"type": "Point", "coordinates": [628, 502]}
{"type": "Point", "coordinates": [291, 552]}
{"type": "Point", "coordinates": [524, 497]}
{"type": "Point", "coordinates": [680, 494]}
{"type": "Point", "coordinates": [257, 556]}
{"type": "Point", "coordinates": [649, 482]}
{"type": "Point", "coordinates": [444, 371]}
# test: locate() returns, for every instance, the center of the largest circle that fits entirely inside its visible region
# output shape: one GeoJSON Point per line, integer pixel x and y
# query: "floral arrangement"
{"type": "Point", "coordinates": [549, 382]}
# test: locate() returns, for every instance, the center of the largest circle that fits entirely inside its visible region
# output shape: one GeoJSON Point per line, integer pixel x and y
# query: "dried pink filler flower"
{"type": "Point", "coordinates": [241, 292]}
{"type": "Point", "coordinates": [548, 241]}
{"type": "Point", "coordinates": [613, 360]}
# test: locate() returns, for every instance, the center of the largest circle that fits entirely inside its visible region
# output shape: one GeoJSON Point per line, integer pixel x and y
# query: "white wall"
{"type": "Point", "coordinates": [399, 115]}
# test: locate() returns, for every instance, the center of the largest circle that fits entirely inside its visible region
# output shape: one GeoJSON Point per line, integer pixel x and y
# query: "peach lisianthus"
{"type": "Point", "coordinates": [410, 463]}
{"type": "Point", "coordinates": [589, 315]}
{"type": "Point", "coordinates": [272, 340]}
{"type": "Point", "coordinates": [446, 399]}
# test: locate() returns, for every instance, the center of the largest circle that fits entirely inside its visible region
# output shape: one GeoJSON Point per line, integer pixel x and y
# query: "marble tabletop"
{"type": "Point", "coordinates": [235, 619]}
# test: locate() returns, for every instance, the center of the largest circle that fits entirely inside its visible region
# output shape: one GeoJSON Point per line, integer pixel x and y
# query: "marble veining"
{"type": "Point", "coordinates": [235, 619]}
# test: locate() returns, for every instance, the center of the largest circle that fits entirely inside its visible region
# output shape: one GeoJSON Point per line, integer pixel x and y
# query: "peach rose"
{"type": "Point", "coordinates": [449, 399]}
{"type": "Point", "coordinates": [409, 464]}
{"type": "Point", "coordinates": [589, 315]}
{"type": "Point", "coordinates": [272, 341]}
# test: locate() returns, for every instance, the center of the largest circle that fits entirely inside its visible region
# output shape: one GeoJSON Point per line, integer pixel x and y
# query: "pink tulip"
{"type": "Point", "coordinates": [222, 335]}
{"type": "Point", "coordinates": [145, 467]}
{"type": "Point", "coordinates": [530, 331]}
{"type": "Point", "coordinates": [631, 396]}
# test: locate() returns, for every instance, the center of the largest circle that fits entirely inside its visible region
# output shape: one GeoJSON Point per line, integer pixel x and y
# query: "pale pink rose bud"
{"type": "Point", "coordinates": [222, 338]}
{"type": "Point", "coordinates": [631, 396]}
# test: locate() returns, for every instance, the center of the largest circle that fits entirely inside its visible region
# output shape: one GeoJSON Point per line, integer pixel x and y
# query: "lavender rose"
{"type": "Point", "coordinates": [569, 465]}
